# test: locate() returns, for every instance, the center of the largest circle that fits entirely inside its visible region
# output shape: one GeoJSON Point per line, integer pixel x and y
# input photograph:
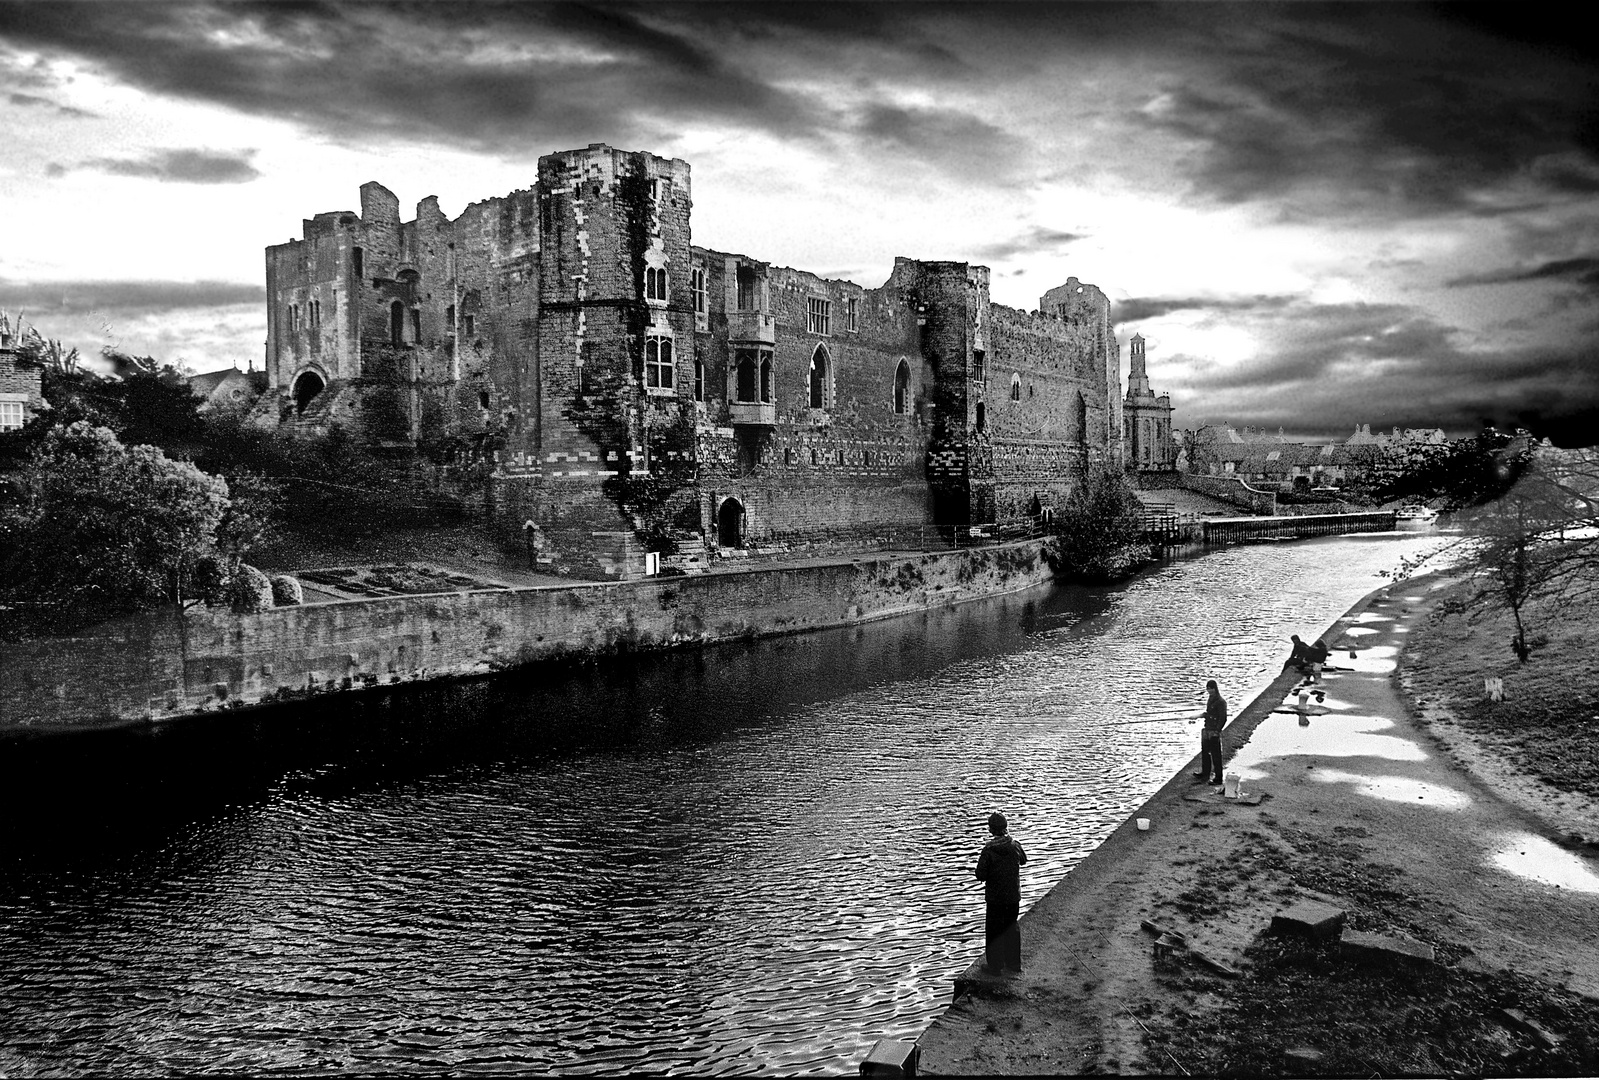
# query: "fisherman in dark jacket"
{"type": "Point", "coordinates": [1215, 717]}
{"type": "Point", "coordinates": [999, 867]}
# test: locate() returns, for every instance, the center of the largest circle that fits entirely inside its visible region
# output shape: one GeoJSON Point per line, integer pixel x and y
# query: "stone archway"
{"type": "Point", "coordinates": [307, 385]}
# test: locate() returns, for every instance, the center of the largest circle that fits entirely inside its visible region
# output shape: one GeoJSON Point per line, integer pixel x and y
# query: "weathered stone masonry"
{"type": "Point", "coordinates": [637, 393]}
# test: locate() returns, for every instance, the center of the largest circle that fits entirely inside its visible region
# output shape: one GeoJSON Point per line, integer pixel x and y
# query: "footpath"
{"type": "Point", "coordinates": [1359, 809]}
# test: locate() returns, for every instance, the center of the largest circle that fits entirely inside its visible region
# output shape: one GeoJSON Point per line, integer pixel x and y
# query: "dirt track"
{"type": "Point", "coordinates": [1353, 777]}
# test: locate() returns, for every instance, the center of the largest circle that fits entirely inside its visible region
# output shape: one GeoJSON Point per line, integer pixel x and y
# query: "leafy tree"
{"type": "Point", "coordinates": [90, 528]}
{"type": "Point", "coordinates": [144, 404]}
{"type": "Point", "coordinates": [1100, 529]}
{"type": "Point", "coordinates": [1459, 474]}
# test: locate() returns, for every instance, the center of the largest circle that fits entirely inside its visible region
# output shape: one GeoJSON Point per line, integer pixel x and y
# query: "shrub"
{"type": "Point", "coordinates": [286, 591]}
{"type": "Point", "coordinates": [249, 590]}
{"type": "Point", "coordinates": [1100, 529]}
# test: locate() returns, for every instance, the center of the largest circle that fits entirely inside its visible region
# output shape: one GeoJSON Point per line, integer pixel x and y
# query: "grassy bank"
{"type": "Point", "coordinates": [1548, 724]}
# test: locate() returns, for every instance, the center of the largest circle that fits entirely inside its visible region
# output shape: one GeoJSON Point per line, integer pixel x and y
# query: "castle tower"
{"type": "Point", "coordinates": [615, 348]}
{"type": "Point", "coordinates": [1138, 376]}
{"type": "Point", "coordinates": [1146, 418]}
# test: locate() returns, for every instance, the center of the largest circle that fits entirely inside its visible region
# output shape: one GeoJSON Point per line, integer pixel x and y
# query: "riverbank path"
{"type": "Point", "coordinates": [1351, 769]}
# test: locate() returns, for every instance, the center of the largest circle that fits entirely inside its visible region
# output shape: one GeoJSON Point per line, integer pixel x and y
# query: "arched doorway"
{"type": "Point", "coordinates": [306, 387]}
{"type": "Point", "coordinates": [730, 524]}
{"type": "Point", "coordinates": [819, 377]}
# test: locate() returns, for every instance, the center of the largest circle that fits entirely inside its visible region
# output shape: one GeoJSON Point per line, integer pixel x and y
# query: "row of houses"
{"type": "Point", "coordinates": [1272, 460]}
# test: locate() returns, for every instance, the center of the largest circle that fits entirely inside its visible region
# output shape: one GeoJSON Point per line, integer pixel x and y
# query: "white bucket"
{"type": "Point", "coordinates": [1229, 788]}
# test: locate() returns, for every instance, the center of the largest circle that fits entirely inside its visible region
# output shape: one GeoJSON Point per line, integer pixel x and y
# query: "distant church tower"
{"type": "Point", "coordinates": [1146, 419]}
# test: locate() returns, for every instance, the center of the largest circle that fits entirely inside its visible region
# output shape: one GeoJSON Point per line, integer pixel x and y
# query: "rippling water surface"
{"type": "Point", "coordinates": [757, 858]}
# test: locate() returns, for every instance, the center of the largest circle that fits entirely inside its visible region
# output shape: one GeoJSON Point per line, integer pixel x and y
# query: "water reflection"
{"type": "Point", "coordinates": [1536, 859]}
{"type": "Point", "coordinates": [756, 858]}
{"type": "Point", "coordinates": [1397, 789]}
{"type": "Point", "coordinates": [1343, 736]}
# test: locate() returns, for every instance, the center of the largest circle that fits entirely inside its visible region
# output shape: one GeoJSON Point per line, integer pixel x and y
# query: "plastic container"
{"type": "Point", "coordinates": [1143, 824]}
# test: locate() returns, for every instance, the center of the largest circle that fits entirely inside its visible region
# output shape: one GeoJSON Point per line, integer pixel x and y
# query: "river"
{"type": "Point", "coordinates": [753, 859]}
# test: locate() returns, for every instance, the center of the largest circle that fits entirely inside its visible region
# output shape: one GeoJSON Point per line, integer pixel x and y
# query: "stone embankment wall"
{"type": "Point", "coordinates": [1233, 490]}
{"type": "Point", "coordinates": [163, 665]}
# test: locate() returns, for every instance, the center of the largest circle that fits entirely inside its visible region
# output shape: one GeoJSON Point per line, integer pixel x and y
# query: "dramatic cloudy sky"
{"type": "Point", "coordinates": [1317, 216]}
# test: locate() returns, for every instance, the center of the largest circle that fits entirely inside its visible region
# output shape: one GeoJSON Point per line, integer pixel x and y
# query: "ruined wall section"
{"type": "Point", "coordinates": [831, 464]}
{"type": "Point", "coordinates": [312, 311]}
{"type": "Point", "coordinates": [1086, 312]}
{"type": "Point", "coordinates": [1046, 415]}
{"type": "Point", "coordinates": [494, 329]}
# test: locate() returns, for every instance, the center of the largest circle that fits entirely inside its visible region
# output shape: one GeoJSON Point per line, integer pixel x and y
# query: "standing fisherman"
{"type": "Point", "coordinates": [1215, 717]}
{"type": "Point", "coordinates": [1000, 868]}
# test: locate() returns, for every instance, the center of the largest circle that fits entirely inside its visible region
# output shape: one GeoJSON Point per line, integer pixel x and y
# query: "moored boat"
{"type": "Point", "coordinates": [1415, 517]}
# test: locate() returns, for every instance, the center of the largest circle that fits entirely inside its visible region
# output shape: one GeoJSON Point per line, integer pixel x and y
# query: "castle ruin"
{"type": "Point", "coordinates": [638, 394]}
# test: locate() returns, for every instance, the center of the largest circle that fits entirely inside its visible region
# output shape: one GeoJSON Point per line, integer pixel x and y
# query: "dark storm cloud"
{"type": "Point", "coordinates": [1323, 368]}
{"type": "Point", "coordinates": [1582, 271]}
{"type": "Point", "coordinates": [488, 77]}
{"type": "Point", "coordinates": [1147, 307]}
{"type": "Point", "coordinates": [959, 143]}
{"type": "Point", "coordinates": [34, 101]}
{"type": "Point", "coordinates": [1386, 107]}
{"type": "Point", "coordinates": [1031, 241]}
{"type": "Point", "coordinates": [42, 299]}
{"type": "Point", "coordinates": [177, 166]}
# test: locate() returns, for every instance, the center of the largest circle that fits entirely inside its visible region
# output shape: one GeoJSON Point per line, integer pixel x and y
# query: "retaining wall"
{"type": "Point", "coordinates": [1233, 490]}
{"type": "Point", "coordinates": [166, 664]}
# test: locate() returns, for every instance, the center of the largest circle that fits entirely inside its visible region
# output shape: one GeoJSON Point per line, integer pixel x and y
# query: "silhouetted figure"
{"type": "Point", "coordinates": [1215, 717]}
{"type": "Point", "coordinates": [999, 867]}
{"type": "Point", "coordinates": [1301, 654]}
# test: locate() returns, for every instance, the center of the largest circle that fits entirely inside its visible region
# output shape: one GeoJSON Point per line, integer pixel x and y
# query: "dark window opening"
{"type": "Point", "coordinates": [746, 377]}
{"type": "Point", "coordinates": [902, 387]}
{"type": "Point", "coordinates": [979, 365]}
{"type": "Point", "coordinates": [699, 379]}
{"type": "Point", "coordinates": [766, 379]}
{"type": "Point", "coordinates": [483, 399]}
{"type": "Point", "coordinates": [357, 263]}
{"type": "Point", "coordinates": [396, 323]}
{"type": "Point", "coordinates": [449, 319]}
{"type": "Point", "coordinates": [654, 284]}
{"type": "Point", "coordinates": [819, 378]}
{"type": "Point", "coordinates": [747, 300]}
{"type": "Point", "coordinates": [982, 419]}
{"type": "Point", "coordinates": [470, 323]}
{"type": "Point", "coordinates": [416, 324]}
{"type": "Point", "coordinates": [1082, 419]}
